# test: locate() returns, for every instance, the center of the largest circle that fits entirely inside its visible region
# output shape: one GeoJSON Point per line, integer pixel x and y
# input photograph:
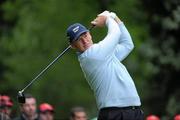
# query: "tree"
{"type": "Point", "coordinates": [164, 25]}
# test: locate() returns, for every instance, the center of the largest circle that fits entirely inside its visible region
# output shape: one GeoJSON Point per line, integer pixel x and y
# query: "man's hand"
{"type": "Point", "coordinates": [101, 18]}
{"type": "Point", "coordinates": [105, 13]}
{"type": "Point", "coordinates": [100, 21]}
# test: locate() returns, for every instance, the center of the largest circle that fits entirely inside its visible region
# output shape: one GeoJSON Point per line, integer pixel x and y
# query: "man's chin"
{"type": "Point", "coordinates": [31, 114]}
{"type": "Point", "coordinates": [87, 46]}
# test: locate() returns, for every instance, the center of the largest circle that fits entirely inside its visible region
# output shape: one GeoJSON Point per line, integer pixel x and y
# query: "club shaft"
{"type": "Point", "coordinates": [45, 69]}
{"type": "Point", "coordinates": [49, 65]}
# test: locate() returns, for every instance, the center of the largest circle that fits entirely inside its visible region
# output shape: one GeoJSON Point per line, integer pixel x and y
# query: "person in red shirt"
{"type": "Point", "coordinates": [46, 111]}
{"type": "Point", "coordinates": [152, 117]}
{"type": "Point", "coordinates": [5, 106]}
{"type": "Point", "coordinates": [177, 117]}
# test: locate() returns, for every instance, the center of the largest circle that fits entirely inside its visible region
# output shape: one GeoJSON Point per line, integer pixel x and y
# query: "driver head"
{"type": "Point", "coordinates": [21, 97]}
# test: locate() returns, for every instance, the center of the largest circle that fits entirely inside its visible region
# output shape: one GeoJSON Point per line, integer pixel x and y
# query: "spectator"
{"type": "Point", "coordinates": [5, 106]}
{"type": "Point", "coordinates": [46, 112]}
{"type": "Point", "coordinates": [28, 109]}
{"type": "Point", "coordinates": [78, 113]}
{"type": "Point", "coordinates": [152, 117]}
{"type": "Point", "coordinates": [177, 117]}
{"type": "Point", "coordinates": [94, 118]}
{"type": "Point", "coordinates": [4, 116]}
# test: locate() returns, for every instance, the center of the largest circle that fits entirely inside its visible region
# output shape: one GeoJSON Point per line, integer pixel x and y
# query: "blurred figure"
{"type": "Point", "coordinates": [177, 117]}
{"type": "Point", "coordinates": [152, 117]}
{"type": "Point", "coordinates": [78, 113]}
{"type": "Point", "coordinates": [94, 118]}
{"type": "Point", "coordinates": [46, 112]}
{"type": "Point", "coordinates": [4, 117]}
{"type": "Point", "coordinates": [28, 109]}
{"type": "Point", "coordinates": [5, 107]}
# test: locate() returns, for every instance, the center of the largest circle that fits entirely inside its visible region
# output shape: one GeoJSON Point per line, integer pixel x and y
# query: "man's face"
{"type": "Point", "coordinates": [80, 116]}
{"type": "Point", "coordinates": [29, 108]}
{"type": "Point", "coordinates": [83, 42]}
{"type": "Point", "coordinates": [46, 115]}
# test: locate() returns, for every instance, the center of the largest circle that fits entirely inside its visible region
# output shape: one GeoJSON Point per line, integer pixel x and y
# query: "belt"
{"type": "Point", "coordinates": [121, 108]}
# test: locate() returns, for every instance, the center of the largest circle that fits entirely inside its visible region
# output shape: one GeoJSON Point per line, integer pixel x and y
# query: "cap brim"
{"type": "Point", "coordinates": [78, 35]}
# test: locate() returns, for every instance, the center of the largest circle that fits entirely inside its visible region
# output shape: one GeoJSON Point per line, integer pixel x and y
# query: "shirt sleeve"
{"type": "Point", "coordinates": [107, 46]}
{"type": "Point", "coordinates": [125, 45]}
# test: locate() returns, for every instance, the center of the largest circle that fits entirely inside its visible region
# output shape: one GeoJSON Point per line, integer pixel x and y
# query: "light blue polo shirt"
{"type": "Point", "coordinates": [103, 70]}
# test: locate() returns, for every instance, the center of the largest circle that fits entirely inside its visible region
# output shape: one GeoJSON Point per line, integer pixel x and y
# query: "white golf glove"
{"type": "Point", "coordinates": [113, 15]}
{"type": "Point", "coordinates": [108, 14]}
{"type": "Point", "coordinates": [105, 13]}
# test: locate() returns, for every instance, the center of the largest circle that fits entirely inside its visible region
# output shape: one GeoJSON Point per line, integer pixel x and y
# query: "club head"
{"type": "Point", "coordinates": [21, 97]}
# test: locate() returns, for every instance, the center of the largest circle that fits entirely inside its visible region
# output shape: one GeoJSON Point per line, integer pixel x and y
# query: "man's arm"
{"type": "Point", "coordinates": [107, 46]}
{"type": "Point", "coordinates": [125, 45]}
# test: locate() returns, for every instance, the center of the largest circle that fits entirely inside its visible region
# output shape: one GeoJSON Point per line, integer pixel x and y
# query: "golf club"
{"type": "Point", "coordinates": [20, 95]}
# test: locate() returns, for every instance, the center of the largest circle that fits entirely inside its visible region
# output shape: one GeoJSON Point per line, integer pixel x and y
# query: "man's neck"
{"type": "Point", "coordinates": [33, 117]}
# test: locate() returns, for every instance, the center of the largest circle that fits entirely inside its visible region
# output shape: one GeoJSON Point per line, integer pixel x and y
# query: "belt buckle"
{"type": "Point", "coordinates": [133, 107]}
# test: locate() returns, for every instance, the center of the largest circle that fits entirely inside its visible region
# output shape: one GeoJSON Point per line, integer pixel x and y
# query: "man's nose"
{"type": "Point", "coordinates": [84, 41]}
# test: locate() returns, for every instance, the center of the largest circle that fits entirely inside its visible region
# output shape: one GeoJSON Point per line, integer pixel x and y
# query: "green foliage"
{"type": "Point", "coordinates": [163, 52]}
{"type": "Point", "coordinates": [38, 36]}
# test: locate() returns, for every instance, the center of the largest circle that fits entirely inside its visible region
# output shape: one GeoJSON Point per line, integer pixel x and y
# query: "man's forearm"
{"type": "Point", "coordinates": [125, 38]}
{"type": "Point", "coordinates": [125, 45]}
{"type": "Point", "coordinates": [109, 43]}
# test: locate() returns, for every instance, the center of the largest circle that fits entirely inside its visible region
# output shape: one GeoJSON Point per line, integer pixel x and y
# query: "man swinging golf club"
{"type": "Point", "coordinates": [114, 89]}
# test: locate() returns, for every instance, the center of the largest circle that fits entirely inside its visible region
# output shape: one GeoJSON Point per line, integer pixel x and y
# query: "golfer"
{"type": "Point", "coordinates": [114, 89]}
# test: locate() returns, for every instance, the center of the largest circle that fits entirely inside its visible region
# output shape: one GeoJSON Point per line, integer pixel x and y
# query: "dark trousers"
{"type": "Point", "coordinates": [124, 113]}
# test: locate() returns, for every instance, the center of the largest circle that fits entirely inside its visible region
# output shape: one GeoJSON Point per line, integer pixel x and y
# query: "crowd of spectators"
{"type": "Point", "coordinates": [45, 111]}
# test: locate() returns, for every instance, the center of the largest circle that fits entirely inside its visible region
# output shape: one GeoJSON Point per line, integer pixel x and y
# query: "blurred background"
{"type": "Point", "coordinates": [33, 33]}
